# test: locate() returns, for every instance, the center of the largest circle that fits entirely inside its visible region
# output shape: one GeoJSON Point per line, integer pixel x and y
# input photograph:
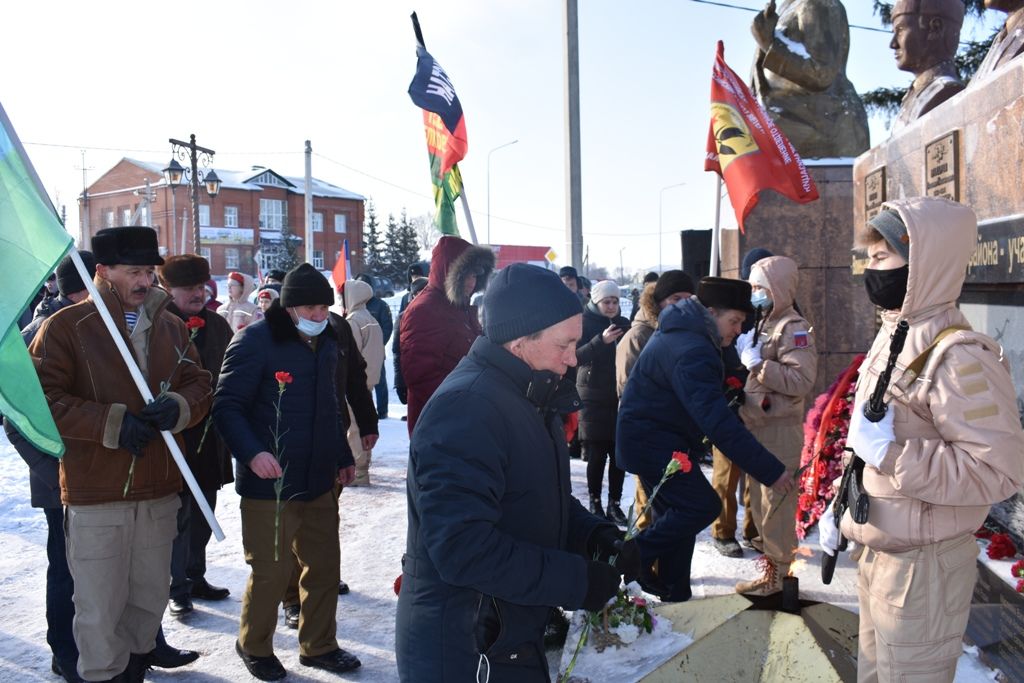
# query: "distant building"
{"type": "Point", "coordinates": [241, 224]}
{"type": "Point", "coordinates": [506, 254]}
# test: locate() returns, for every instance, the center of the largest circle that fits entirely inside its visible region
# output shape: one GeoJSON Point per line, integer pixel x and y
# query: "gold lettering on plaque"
{"type": "Point", "coordinates": [942, 166]}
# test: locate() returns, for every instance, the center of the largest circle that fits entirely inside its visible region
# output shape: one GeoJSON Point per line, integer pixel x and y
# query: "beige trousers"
{"type": "Point", "coordinates": [120, 557]}
{"type": "Point", "coordinates": [725, 479]}
{"type": "Point", "coordinates": [307, 531]}
{"type": "Point", "coordinates": [355, 443]}
{"type": "Point", "coordinates": [914, 607]}
{"type": "Point", "coordinates": [775, 515]}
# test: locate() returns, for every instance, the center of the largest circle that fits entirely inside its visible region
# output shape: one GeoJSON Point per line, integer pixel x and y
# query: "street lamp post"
{"type": "Point", "coordinates": [193, 154]}
{"type": "Point", "coordinates": [507, 144]}
{"type": "Point", "coordinates": [661, 202]}
{"type": "Point", "coordinates": [622, 270]}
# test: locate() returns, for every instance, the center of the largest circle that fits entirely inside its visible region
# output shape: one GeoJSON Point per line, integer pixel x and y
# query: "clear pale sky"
{"type": "Point", "coordinates": [254, 79]}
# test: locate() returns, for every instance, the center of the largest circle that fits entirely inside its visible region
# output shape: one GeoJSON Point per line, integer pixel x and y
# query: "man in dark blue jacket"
{"type": "Point", "coordinates": [673, 398]}
{"type": "Point", "coordinates": [308, 456]}
{"type": "Point", "coordinates": [495, 537]}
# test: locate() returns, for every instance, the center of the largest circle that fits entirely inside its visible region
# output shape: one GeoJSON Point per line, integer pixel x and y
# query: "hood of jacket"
{"type": "Point", "coordinates": [943, 235]}
{"type": "Point", "coordinates": [782, 275]}
{"type": "Point", "coordinates": [648, 309]}
{"type": "Point", "coordinates": [357, 293]}
{"type": "Point", "coordinates": [452, 260]}
{"type": "Point", "coordinates": [689, 315]}
{"type": "Point", "coordinates": [248, 287]}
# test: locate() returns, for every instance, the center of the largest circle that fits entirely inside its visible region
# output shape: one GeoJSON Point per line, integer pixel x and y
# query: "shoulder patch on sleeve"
{"type": "Point", "coordinates": [801, 340]}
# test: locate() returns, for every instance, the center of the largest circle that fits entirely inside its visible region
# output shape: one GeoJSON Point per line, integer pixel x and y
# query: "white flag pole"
{"type": "Point", "coordinates": [469, 216]}
{"type": "Point", "coordinates": [147, 395]}
{"type": "Point", "coordinates": [717, 230]}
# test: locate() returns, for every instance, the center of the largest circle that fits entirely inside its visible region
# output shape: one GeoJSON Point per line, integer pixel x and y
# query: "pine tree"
{"type": "Point", "coordinates": [391, 253]}
{"type": "Point", "coordinates": [887, 101]}
{"type": "Point", "coordinates": [410, 245]}
{"type": "Point", "coordinates": [374, 247]}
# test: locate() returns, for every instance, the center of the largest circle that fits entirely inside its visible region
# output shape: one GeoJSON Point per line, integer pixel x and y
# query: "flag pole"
{"type": "Point", "coordinates": [469, 216]}
{"type": "Point", "coordinates": [147, 395]}
{"type": "Point", "coordinates": [717, 230]}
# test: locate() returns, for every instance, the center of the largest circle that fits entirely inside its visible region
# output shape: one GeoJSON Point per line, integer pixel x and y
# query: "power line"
{"type": "Point", "coordinates": [147, 151]}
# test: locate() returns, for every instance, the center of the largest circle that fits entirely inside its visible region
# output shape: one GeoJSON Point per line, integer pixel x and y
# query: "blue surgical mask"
{"type": "Point", "coordinates": [760, 299]}
{"type": "Point", "coordinates": [309, 327]}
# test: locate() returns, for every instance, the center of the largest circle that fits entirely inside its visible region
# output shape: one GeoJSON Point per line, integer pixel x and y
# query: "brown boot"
{"type": "Point", "coordinates": [770, 581]}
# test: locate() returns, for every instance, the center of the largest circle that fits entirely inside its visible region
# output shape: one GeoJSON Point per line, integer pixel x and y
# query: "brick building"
{"type": "Point", "coordinates": [242, 223]}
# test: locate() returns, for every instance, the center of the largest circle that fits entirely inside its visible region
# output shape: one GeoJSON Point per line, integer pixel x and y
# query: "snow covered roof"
{"type": "Point", "coordinates": [243, 180]}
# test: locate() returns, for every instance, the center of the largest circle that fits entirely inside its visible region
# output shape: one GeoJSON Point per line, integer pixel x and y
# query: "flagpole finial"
{"type": "Point", "coordinates": [416, 29]}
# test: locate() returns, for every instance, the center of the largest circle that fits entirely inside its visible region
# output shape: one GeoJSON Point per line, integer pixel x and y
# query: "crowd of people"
{"type": "Point", "coordinates": [281, 381]}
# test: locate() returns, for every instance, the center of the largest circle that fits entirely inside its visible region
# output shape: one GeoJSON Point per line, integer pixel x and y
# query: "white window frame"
{"type": "Point", "coordinates": [272, 214]}
{"type": "Point", "coordinates": [126, 216]}
{"type": "Point", "coordinates": [317, 221]}
{"type": "Point", "coordinates": [342, 225]}
{"type": "Point", "coordinates": [230, 216]}
{"type": "Point", "coordinates": [318, 259]}
{"type": "Point", "coordinates": [206, 253]}
{"type": "Point", "coordinates": [231, 258]}
{"type": "Point", "coordinates": [204, 215]}
{"type": "Point", "coordinates": [144, 215]}
{"type": "Point", "coordinates": [108, 218]}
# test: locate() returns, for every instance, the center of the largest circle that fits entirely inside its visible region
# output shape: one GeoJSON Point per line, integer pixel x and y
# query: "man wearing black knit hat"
{"type": "Point", "coordinates": [277, 409]}
{"type": "Point", "coordinates": [673, 398]}
{"type": "Point", "coordinates": [491, 512]}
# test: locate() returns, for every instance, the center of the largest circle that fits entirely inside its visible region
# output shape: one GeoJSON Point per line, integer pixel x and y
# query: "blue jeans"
{"type": "Point", "coordinates": [381, 391]}
{"type": "Point", "coordinates": [60, 610]}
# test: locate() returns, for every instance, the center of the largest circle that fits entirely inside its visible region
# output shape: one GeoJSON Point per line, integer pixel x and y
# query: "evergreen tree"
{"type": "Point", "coordinates": [391, 253]}
{"type": "Point", "coordinates": [374, 247]}
{"type": "Point", "coordinates": [887, 100]}
{"type": "Point", "coordinates": [409, 250]}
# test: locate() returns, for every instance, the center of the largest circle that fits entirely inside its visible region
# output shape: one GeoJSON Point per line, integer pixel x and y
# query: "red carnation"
{"type": "Point", "coordinates": [1020, 586]}
{"type": "Point", "coordinates": [283, 377]}
{"type": "Point", "coordinates": [195, 323]}
{"type": "Point", "coordinates": [398, 584]}
{"type": "Point", "coordinates": [684, 461]}
{"type": "Point", "coordinates": [1017, 570]}
{"type": "Point", "coordinates": [733, 383]}
{"type": "Point", "coordinates": [983, 532]}
{"type": "Point", "coordinates": [1001, 547]}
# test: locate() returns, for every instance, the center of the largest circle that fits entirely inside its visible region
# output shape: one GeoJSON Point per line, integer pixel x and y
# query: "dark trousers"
{"type": "Point", "coordinates": [60, 587]}
{"type": "Point", "coordinates": [381, 391]}
{"type": "Point", "coordinates": [684, 507]}
{"type": "Point", "coordinates": [188, 553]}
{"type": "Point", "coordinates": [597, 452]}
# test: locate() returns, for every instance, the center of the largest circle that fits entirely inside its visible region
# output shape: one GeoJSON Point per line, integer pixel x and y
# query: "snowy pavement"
{"type": "Point", "coordinates": [373, 522]}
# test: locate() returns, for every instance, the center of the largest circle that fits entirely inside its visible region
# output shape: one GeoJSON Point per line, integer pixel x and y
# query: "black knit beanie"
{"type": "Point", "coordinates": [306, 286]}
{"type": "Point", "coordinates": [523, 299]}
{"type": "Point", "coordinates": [68, 279]}
{"type": "Point", "coordinates": [753, 256]}
{"type": "Point", "coordinates": [672, 282]}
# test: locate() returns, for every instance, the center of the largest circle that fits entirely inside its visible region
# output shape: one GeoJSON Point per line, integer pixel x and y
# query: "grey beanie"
{"type": "Point", "coordinates": [890, 226]}
{"type": "Point", "coordinates": [523, 299]}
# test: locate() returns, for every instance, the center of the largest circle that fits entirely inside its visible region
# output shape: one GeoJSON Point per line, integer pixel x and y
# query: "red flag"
{"type": "Point", "coordinates": [342, 268]}
{"type": "Point", "coordinates": [746, 148]}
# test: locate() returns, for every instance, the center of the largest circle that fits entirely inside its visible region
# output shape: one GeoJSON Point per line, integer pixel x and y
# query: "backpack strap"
{"type": "Point", "coordinates": [917, 365]}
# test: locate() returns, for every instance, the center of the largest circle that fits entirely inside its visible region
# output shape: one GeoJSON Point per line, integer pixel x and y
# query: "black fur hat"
{"type": "Point", "coordinates": [184, 270]}
{"type": "Point", "coordinates": [127, 246]}
{"type": "Point", "coordinates": [725, 294]}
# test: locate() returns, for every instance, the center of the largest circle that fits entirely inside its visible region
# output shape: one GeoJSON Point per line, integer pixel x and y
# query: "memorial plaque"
{"type": "Point", "coordinates": [874, 192]}
{"type": "Point", "coordinates": [999, 254]}
{"type": "Point", "coordinates": [996, 624]}
{"type": "Point", "coordinates": [942, 167]}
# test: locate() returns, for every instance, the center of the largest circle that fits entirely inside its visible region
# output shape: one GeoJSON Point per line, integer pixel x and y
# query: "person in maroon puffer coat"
{"type": "Point", "coordinates": [440, 325]}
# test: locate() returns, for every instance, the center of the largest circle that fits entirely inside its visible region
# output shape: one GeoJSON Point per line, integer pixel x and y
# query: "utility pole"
{"type": "Point", "coordinates": [309, 204]}
{"type": "Point", "coordinates": [84, 217]}
{"type": "Point", "coordinates": [574, 206]}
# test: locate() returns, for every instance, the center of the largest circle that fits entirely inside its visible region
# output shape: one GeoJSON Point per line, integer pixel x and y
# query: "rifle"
{"type": "Point", "coordinates": [850, 495]}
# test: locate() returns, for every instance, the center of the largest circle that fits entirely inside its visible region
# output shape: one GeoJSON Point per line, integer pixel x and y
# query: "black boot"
{"type": "Point", "coordinates": [615, 513]}
{"type": "Point", "coordinates": [595, 506]}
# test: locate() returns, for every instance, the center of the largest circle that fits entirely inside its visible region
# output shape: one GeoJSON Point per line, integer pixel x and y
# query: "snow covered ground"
{"type": "Point", "coordinates": [373, 522]}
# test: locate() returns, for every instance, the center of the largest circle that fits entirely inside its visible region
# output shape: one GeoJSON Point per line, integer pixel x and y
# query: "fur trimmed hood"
{"type": "Point", "coordinates": [452, 261]}
{"type": "Point", "coordinates": [649, 310]}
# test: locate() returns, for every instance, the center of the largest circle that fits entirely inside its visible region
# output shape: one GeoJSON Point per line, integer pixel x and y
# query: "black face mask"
{"type": "Point", "coordinates": [887, 288]}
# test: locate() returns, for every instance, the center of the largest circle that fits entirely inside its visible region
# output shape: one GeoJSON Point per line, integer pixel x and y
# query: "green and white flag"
{"type": "Point", "coordinates": [32, 242]}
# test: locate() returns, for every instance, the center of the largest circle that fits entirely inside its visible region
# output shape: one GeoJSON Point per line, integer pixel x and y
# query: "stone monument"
{"type": "Point", "coordinates": [1009, 42]}
{"type": "Point", "coordinates": [925, 36]}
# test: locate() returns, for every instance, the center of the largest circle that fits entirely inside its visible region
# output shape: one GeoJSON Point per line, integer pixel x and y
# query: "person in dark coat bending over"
{"type": "Point", "coordinates": [673, 398]}
{"type": "Point", "coordinates": [495, 537]}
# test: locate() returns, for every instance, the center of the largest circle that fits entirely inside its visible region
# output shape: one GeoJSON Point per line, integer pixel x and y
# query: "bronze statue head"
{"type": "Point", "coordinates": [1007, 6]}
{"type": "Point", "coordinates": [925, 32]}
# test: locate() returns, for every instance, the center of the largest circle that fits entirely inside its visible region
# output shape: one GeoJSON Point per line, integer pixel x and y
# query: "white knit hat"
{"type": "Point", "coordinates": [603, 290]}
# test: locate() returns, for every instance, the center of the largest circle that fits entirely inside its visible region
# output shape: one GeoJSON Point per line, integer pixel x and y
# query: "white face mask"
{"type": "Point", "coordinates": [309, 327]}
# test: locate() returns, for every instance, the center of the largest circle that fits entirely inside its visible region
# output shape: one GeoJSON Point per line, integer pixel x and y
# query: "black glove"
{"type": "Point", "coordinates": [602, 585]}
{"type": "Point", "coordinates": [628, 560]}
{"type": "Point", "coordinates": [162, 413]}
{"type": "Point", "coordinates": [604, 542]}
{"type": "Point", "coordinates": [403, 394]}
{"type": "Point", "coordinates": [135, 434]}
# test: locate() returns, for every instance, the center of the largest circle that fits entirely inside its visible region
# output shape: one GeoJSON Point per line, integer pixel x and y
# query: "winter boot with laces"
{"type": "Point", "coordinates": [615, 515]}
{"type": "Point", "coordinates": [595, 506]}
{"type": "Point", "coordinates": [770, 581]}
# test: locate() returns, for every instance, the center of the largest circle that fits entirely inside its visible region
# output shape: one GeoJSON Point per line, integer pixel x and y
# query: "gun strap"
{"type": "Point", "coordinates": [917, 365]}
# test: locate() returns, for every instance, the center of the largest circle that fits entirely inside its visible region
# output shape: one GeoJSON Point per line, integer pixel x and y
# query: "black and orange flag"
{"type": "Point", "coordinates": [747, 149]}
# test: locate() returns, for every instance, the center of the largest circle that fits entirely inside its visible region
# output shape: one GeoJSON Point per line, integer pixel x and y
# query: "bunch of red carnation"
{"type": "Point", "coordinates": [1001, 547]}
